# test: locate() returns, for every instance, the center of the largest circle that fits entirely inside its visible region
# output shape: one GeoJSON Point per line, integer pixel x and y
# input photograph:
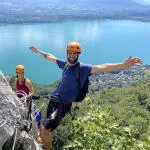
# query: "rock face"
{"type": "Point", "coordinates": [13, 116]}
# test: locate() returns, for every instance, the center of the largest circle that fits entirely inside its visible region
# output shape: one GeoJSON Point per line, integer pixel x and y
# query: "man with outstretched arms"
{"type": "Point", "coordinates": [61, 99]}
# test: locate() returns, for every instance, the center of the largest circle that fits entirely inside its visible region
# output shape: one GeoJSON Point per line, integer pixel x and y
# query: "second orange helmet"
{"type": "Point", "coordinates": [20, 69]}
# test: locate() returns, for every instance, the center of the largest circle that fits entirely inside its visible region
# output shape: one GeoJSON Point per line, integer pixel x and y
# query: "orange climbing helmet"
{"type": "Point", "coordinates": [74, 46]}
{"type": "Point", "coordinates": [20, 69]}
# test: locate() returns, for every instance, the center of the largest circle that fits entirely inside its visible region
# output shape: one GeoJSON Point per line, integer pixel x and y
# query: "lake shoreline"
{"type": "Point", "coordinates": [140, 19]}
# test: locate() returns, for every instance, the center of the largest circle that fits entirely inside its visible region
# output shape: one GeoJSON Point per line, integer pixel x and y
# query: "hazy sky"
{"type": "Point", "coordinates": [146, 2]}
{"type": "Point", "coordinates": [143, 2]}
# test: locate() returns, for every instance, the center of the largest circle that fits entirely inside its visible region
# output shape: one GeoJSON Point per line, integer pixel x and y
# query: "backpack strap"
{"type": "Point", "coordinates": [66, 65]}
{"type": "Point", "coordinates": [78, 76]}
{"type": "Point", "coordinates": [79, 85]}
{"type": "Point", "coordinates": [77, 71]}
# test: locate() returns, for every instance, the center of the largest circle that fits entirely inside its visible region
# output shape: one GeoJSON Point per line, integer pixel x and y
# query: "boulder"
{"type": "Point", "coordinates": [13, 120]}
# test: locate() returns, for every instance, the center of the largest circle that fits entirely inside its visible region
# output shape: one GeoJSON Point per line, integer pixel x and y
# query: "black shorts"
{"type": "Point", "coordinates": [55, 113]}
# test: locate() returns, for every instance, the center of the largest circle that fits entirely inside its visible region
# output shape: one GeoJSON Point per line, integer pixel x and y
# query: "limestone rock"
{"type": "Point", "coordinates": [13, 111]}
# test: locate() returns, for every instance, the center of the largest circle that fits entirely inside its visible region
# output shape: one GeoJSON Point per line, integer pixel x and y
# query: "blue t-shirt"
{"type": "Point", "coordinates": [67, 89]}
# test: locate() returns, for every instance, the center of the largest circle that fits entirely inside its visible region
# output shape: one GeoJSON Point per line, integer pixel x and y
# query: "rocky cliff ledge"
{"type": "Point", "coordinates": [13, 122]}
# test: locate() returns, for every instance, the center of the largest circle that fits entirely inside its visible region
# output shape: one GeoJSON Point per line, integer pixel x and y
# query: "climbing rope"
{"type": "Point", "coordinates": [15, 138]}
{"type": "Point", "coordinates": [24, 124]}
{"type": "Point", "coordinates": [23, 95]}
{"type": "Point", "coordinates": [39, 110]}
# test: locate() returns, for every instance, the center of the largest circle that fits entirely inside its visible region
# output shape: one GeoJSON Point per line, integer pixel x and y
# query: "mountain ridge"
{"type": "Point", "coordinates": [35, 11]}
{"type": "Point", "coordinates": [83, 3]}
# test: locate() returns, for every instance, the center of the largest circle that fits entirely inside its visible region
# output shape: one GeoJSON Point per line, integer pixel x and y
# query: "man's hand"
{"type": "Point", "coordinates": [34, 49]}
{"type": "Point", "coordinates": [132, 62]}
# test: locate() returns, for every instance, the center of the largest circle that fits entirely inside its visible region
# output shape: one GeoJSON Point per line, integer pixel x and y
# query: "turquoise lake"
{"type": "Point", "coordinates": [102, 42]}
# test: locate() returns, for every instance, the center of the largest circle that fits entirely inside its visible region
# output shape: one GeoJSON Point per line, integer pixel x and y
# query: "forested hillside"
{"type": "Point", "coordinates": [118, 118]}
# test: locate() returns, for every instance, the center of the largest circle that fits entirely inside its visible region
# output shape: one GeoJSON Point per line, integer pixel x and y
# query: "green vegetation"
{"type": "Point", "coordinates": [113, 119]}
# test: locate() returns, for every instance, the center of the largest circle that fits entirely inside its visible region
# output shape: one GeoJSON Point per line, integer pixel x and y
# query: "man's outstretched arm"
{"type": "Point", "coordinates": [45, 55]}
{"type": "Point", "coordinates": [116, 66]}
